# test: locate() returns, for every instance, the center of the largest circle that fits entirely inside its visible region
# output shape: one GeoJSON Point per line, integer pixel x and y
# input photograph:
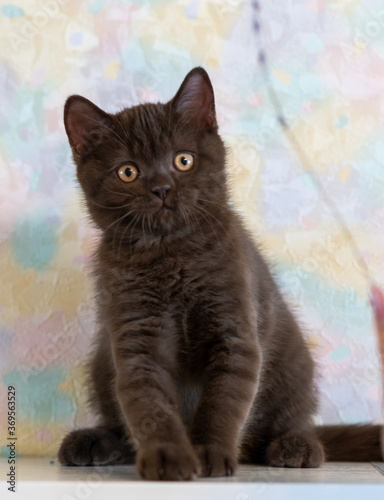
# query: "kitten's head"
{"type": "Point", "coordinates": [153, 169]}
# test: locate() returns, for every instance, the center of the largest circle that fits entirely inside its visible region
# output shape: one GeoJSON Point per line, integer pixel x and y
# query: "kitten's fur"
{"type": "Point", "coordinates": [199, 362]}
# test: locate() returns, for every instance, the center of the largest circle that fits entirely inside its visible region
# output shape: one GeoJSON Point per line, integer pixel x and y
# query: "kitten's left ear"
{"type": "Point", "coordinates": [195, 99]}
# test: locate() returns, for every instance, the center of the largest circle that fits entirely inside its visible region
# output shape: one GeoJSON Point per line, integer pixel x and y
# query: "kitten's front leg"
{"type": "Point", "coordinates": [231, 379]}
{"type": "Point", "coordinates": [145, 366]}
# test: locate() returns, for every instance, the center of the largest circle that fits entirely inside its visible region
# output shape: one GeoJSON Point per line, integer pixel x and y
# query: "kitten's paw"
{"type": "Point", "coordinates": [295, 450]}
{"type": "Point", "coordinates": [94, 446]}
{"type": "Point", "coordinates": [216, 460]}
{"type": "Point", "coordinates": [167, 461]}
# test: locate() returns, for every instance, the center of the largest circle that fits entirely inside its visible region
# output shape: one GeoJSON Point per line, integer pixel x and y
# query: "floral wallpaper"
{"type": "Point", "coordinates": [326, 63]}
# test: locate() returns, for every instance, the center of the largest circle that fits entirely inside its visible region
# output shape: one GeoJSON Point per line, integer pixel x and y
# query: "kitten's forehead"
{"type": "Point", "coordinates": [147, 129]}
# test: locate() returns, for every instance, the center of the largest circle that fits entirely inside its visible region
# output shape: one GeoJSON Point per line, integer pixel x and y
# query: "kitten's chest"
{"type": "Point", "coordinates": [162, 279]}
{"type": "Point", "coordinates": [175, 283]}
{"type": "Point", "coordinates": [189, 393]}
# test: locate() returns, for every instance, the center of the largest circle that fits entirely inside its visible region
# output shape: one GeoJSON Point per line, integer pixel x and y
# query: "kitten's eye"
{"type": "Point", "coordinates": [128, 173]}
{"type": "Point", "coordinates": [183, 161]}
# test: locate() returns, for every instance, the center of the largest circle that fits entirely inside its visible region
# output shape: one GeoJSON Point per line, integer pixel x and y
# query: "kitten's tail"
{"type": "Point", "coordinates": [352, 443]}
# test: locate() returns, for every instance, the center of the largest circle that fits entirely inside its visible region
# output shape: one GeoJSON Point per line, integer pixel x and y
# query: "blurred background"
{"type": "Point", "coordinates": [326, 62]}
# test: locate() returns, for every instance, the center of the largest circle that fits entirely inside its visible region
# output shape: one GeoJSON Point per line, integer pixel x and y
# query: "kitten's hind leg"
{"type": "Point", "coordinates": [95, 446]}
{"type": "Point", "coordinates": [295, 450]}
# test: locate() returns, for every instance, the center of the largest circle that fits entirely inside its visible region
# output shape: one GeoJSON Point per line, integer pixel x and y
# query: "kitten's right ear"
{"type": "Point", "coordinates": [85, 124]}
{"type": "Point", "coordinates": [195, 100]}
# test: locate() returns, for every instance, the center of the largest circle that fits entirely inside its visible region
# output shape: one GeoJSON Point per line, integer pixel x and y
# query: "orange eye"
{"type": "Point", "coordinates": [128, 173]}
{"type": "Point", "coordinates": [183, 161]}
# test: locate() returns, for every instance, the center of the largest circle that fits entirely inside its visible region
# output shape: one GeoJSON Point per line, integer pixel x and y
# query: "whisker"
{"type": "Point", "coordinates": [126, 195]}
{"type": "Point", "coordinates": [191, 219]}
{"type": "Point", "coordinates": [130, 236]}
{"type": "Point", "coordinates": [214, 218]}
{"type": "Point", "coordinates": [200, 210]}
{"type": "Point", "coordinates": [118, 220]}
{"type": "Point", "coordinates": [133, 221]}
{"type": "Point", "coordinates": [143, 228]}
{"type": "Point", "coordinates": [108, 208]}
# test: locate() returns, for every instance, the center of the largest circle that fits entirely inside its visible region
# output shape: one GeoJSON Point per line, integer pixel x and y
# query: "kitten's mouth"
{"type": "Point", "coordinates": [166, 208]}
{"type": "Point", "coordinates": [163, 210]}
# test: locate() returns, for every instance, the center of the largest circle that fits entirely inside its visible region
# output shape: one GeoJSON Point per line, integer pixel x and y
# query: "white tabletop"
{"type": "Point", "coordinates": [40, 478]}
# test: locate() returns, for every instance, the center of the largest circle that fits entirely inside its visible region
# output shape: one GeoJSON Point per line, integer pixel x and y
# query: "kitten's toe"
{"type": "Point", "coordinates": [216, 461]}
{"type": "Point", "coordinates": [295, 450]}
{"type": "Point", "coordinates": [95, 446]}
{"type": "Point", "coordinates": [166, 461]}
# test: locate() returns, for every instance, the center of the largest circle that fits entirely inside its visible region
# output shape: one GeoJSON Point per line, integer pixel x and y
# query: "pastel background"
{"type": "Point", "coordinates": [326, 63]}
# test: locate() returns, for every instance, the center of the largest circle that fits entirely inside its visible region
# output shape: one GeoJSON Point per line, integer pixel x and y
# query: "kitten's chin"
{"type": "Point", "coordinates": [164, 218]}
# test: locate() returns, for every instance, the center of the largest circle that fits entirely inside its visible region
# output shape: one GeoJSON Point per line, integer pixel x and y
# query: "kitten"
{"type": "Point", "coordinates": [199, 363]}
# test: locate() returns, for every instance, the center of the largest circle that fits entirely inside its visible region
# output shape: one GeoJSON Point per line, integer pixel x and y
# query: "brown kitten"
{"type": "Point", "coordinates": [199, 363]}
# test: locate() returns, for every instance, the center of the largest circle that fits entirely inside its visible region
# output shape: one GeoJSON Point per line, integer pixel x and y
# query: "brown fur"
{"type": "Point", "coordinates": [199, 363]}
{"type": "Point", "coordinates": [352, 443]}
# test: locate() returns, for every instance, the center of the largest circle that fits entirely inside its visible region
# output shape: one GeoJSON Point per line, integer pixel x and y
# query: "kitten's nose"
{"type": "Point", "coordinates": [161, 192]}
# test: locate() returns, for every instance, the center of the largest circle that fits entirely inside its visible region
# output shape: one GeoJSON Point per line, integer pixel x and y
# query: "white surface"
{"type": "Point", "coordinates": [38, 479]}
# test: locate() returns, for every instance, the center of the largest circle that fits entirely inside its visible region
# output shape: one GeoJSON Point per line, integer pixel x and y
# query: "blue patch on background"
{"type": "Point", "coordinates": [38, 399]}
{"type": "Point", "coordinates": [344, 310]}
{"type": "Point", "coordinates": [192, 9]}
{"type": "Point", "coordinates": [312, 42]}
{"type": "Point", "coordinates": [342, 122]}
{"type": "Point", "coordinates": [96, 6]}
{"type": "Point", "coordinates": [76, 38]}
{"type": "Point", "coordinates": [4, 451]}
{"type": "Point", "coordinates": [12, 11]}
{"type": "Point", "coordinates": [340, 353]}
{"type": "Point", "coordinates": [35, 241]}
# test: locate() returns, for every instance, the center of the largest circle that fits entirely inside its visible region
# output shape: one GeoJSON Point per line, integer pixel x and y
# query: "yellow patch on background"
{"type": "Point", "coordinates": [312, 342]}
{"type": "Point", "coordinates": [272, 244]}
{"type": "Point", "coordinates": [78, 379]}
{"type": "Point", "coordinates": [212, 63]}
{"type": "Point", "coordinates": [359, 46]}
{"type": "Point", "coordinates": [27, 292]}
{"type": "Point", "coordinates": [16, 283]}
{"type": "Point", "coordinates": [344, 174]}
{"type": "Point", "coordinates": [284, 77]}
{"type": "Point", "coordinates": [27, 444]}
{"type": "Point", "coordinates": [326, 146]}
{"type": "Point", "coordinates": [327, 254]}
{"type": "Point", "coordinates": [112, 70]}
{"type": "Point", "coordinates": [69, 291]}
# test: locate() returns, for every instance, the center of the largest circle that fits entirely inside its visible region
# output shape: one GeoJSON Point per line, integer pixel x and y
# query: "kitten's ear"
{"type": "Point", "coordinates": [195, 99]}
{"type": "Point", "coordinates": [85, 124]}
